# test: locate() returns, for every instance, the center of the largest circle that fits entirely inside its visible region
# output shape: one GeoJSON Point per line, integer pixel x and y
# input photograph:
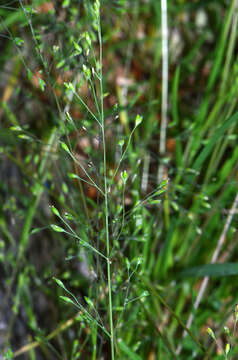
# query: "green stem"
{"type": "Point", "coordinates": [106, 198]}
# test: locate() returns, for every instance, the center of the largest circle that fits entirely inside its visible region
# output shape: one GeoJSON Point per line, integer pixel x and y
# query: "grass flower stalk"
{"type": "Point", "coordinates": [97, 6]}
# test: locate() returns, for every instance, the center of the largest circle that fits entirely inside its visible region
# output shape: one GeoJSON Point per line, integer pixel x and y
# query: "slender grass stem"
{"type": "Point", "coordinates": [106, 195]}
{"type": "Point", "coordinates": [87, 108]}
{"type": "Point", "coordinates": [164, 108]}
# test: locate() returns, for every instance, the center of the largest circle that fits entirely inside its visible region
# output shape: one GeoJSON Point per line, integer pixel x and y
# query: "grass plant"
{"type": "Point", "coordinates": [117, 235]}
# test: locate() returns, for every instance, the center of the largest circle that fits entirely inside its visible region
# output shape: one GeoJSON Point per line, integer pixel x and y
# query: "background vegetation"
{"type": "Point", "coordinates": [100, 255]}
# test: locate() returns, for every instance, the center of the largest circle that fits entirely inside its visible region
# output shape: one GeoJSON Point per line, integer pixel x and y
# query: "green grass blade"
{"type": "Point", "coordinates": [211, 270]}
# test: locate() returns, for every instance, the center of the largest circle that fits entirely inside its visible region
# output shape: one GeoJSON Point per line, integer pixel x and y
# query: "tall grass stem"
{"type": "Point", "coordinates": [106, 195]}
{"type": "Point", "coordinates": [164, 106]}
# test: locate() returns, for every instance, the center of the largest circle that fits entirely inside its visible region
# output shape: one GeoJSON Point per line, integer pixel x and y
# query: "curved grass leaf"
{"type": "Point", "coordinates": [211, 270]}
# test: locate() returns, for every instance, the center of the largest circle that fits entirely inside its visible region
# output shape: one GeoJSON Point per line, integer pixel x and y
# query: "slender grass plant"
{"type": "Point", "coordinates": [134, 221]}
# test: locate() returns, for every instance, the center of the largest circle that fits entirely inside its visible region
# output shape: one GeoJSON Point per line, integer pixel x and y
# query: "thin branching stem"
{"type": "Point", "coordinates": [106, 195]}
